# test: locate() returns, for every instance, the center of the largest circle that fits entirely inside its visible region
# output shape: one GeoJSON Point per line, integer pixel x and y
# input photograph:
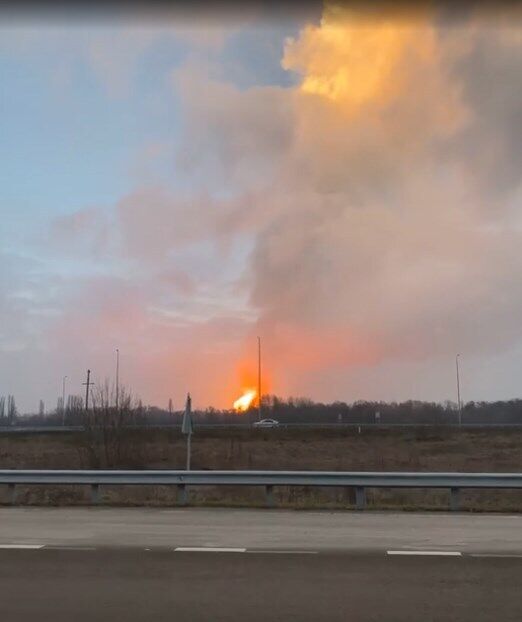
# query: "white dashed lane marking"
{"type": "Point", "coordinates": [208, 549]}
{"type": "Point", "coordinates": [220, 549]}
{"type": "Point", "coordinates": [70, 548]}
{"type": "Point", "coordinates": [227, 549]}
{"type": "Point", "coordinates": [22, 546]}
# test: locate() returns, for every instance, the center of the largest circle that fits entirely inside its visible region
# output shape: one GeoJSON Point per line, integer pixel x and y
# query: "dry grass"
{"type": "Point", "coordinates": [423, 449]}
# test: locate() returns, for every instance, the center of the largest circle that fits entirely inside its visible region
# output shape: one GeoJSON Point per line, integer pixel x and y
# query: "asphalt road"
{"type": "Point", "coordinates": [137, 585]}
{"type": "Point", "coordinates": [249, 565]}
{"type": "Point", "coordinates": [260, 529]}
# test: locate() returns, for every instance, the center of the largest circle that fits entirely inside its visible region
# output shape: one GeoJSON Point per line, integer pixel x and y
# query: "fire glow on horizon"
{"type": "Point", "coordinates": [243, 403]}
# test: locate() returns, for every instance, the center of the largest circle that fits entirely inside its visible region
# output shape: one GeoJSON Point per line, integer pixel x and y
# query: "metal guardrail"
{"type": "Point", "coordinates": [358, 480]}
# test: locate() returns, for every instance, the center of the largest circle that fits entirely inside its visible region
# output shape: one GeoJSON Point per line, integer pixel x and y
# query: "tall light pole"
{"type": "Point", "coordinates": [458, 389]}
{"type": "Point", "coordinates": [259, 378]}
{"type": "Point", "coordinates": [117, 377]}
{"type": "Point", "coordinates": [63, 400]}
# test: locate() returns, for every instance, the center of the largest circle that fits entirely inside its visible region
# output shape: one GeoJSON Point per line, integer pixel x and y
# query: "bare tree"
{"type": "Point", "coordinates": [2, 410]}
{"type": "Point", "coordinates": [41, 408]}
{"type": "Point", "coordinates": [110, 438]}
{"type": "Point", "coordinates": [11, 410]}
{"type": "Point", "coordinates": [74, 411]}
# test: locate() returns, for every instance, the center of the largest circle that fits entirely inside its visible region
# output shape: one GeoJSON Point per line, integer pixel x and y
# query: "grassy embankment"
{"type": "Point", "coordinates": [434, 449]}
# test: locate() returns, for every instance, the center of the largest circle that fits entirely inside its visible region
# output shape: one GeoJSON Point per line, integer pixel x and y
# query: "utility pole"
{"type": "Point", "coordinates": [458, 390]}
{"type": "Point", "coordinates": [259, 378]}
{"type": "Point", "coordinates": [187, 427]}
{"type": "Point", "coordinates": [63, 400]}
{"type": "Point", "coordinates": [117, 377]}
{"type": "Point", "coordinates": [87, 385]}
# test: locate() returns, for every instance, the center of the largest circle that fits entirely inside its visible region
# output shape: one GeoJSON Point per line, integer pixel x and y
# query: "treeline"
{"type": "Point", "coordinates": [411, 411]}
{"type": "Point", "coordinates": [293, 410]}
{"type": "Point", "coordinates": [8, 411]}
{"type": "Point", "coordinates": [302, 410]}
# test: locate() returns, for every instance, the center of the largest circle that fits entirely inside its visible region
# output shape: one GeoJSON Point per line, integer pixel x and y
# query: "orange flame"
{"type": "Point", "coordinates": [244, 402]}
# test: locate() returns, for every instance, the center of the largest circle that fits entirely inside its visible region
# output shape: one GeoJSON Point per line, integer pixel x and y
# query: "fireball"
{"type": "Point", "coordinates": [244, 402]}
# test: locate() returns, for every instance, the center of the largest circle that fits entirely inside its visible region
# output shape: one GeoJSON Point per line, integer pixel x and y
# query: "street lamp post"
{"type": "Point", "coordinates": [117, 377]}
{"type": "Point", "coordinates": [458, 389]}
{"type": "Point", "coordinates": [259, 378]}
{"type": "Point", "coordinates": [63, 400]}
{"type": "Point", "coordinates": [187, 426]}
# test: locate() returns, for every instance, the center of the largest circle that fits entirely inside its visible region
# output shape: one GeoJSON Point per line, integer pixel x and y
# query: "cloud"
{"type": "Point", "coordinates": [377, 246]}
{"type": "Point", "coordinates": [364, 217]}
{"type": "Point", "coordinates": [237, 134]}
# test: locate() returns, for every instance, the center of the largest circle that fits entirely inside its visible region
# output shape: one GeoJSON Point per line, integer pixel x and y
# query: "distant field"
{"type": "Point", "coordinates": [411, 449]}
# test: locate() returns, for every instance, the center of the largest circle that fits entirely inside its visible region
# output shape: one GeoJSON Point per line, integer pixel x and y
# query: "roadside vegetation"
{"type": "Point", "coordinates": [373, 449]}
{"type": "Point", "coordinates": [291, 410]}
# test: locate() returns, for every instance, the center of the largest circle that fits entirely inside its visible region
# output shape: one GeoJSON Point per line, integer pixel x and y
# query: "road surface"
{"type": "Point", "coordinates": [204, 565]}
{"type": "Point", "coordinates": [260, 529]}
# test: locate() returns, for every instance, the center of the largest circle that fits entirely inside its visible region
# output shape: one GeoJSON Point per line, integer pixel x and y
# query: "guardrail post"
{"type": "Point", "coordinates": [360, 497]}
{"type": "Point", "coordinates": [95, 493]}
{"type": "Point", "coordinates": [182, 494]}
{"type": "Point", "coordinates": [454, 499]}
{"type": "Point", "coordinates": [11, 493]}
{"type": "Point", "coordinates": [270, 501]}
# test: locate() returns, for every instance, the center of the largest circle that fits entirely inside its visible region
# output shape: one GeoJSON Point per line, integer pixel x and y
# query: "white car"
{"type": "Point", "coordinates": [266, 423]}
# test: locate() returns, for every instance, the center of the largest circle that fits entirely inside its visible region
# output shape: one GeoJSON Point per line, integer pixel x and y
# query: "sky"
{"type": "Point", "coordinates": [341, 180]}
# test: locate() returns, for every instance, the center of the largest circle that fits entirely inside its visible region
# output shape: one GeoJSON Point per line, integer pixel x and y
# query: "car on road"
{"type": "Point", "coordinates": [266, 423]}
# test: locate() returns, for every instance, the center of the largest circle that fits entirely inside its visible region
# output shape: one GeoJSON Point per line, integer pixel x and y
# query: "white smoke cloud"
{"type": "Point", "coordinates": [383, 240]}
{"type": "Point", "coordinates": [368, 216]}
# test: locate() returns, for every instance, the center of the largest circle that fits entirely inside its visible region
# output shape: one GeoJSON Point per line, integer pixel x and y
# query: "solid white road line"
{"type": "Point", "coordinates": [22, 546]}
{"type": "Point", "coordinates": [208, 549]}
{"type": "Point", "coordinates": [444, 553]}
